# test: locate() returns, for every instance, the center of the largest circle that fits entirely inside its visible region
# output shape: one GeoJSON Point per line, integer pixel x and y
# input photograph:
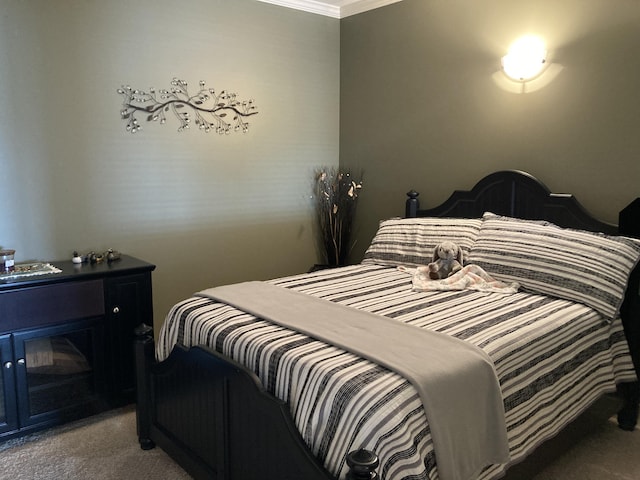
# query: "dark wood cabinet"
{"type": "Point", "coordinates": [66, 342]}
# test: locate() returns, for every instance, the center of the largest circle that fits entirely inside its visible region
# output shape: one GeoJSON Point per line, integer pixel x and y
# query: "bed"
{"type": "Point", "coordinates": [229, 394]}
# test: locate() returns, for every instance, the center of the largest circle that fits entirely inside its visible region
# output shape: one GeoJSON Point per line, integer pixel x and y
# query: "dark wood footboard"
{"type": "Point", "coordinates": [215, 419]}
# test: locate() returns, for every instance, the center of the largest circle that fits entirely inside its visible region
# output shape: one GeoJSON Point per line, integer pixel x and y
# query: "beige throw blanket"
{"type": "Point", "coordinates": [470, 277]}
{"type": "Point", "coordinates": [456, 380]}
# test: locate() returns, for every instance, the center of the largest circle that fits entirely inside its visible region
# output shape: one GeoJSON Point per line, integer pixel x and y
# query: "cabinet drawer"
{"type": "Point", "coordinates": [50, 304]}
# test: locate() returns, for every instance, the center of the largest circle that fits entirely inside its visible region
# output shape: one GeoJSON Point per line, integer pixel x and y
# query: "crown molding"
{"type": "Point", "coordinates": [345, 9]}
{"type": "Point", "coordinates": [360, 6]}
{"type": "Point", "coordinates": [312, 6]}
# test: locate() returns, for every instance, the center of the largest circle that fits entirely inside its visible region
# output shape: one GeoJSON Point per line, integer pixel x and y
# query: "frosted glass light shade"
{"type": "Point", "coordinates": [525, 59]}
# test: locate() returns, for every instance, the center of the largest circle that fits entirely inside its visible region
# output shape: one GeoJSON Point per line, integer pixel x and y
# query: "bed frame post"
{"type": "Point", "coordinates": [630, 314]}
{"type": "Point", "coordinates": [362, 465]}
{"type": "Point", "coordinates": [628, 414]}
{"type": "Point", "coordinates": [628, 224]}
{"type": "Point", "coordinates": [412, 204]}
{"type": "Point", "coordinates": [145, 357]}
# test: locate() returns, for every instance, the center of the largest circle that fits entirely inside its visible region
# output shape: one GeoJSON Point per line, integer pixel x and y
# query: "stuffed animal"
{"type": "Point", "coordinates": [447, 260]}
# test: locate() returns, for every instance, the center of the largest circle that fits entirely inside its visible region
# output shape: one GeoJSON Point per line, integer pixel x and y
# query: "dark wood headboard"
{"type": "Point", "coordinates": [516, 194]}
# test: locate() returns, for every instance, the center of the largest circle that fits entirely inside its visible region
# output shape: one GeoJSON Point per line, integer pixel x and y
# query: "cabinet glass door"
{"type": "Point", "coordinates": [61, 370]}
{"type": "Point", "coordinates": [8, 411]}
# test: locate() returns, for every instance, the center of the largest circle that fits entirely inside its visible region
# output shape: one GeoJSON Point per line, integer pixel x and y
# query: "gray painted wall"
{"type": "Point", "coordinates": [205, 209]}
{"type": "Point", "coordinates": [419, 107]}
{"type": "Point", "coordinates": [404, 92]}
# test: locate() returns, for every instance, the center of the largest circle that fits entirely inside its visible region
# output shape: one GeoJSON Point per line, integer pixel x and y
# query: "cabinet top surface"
{"type": "Point", "coordinates": [71, 271]}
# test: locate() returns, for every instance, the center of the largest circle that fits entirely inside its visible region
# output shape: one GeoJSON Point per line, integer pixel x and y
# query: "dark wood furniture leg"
{"type": "Point", "coordinates": [144, 354]}
{"type": "Point", "coordinates": [628, 414]}
{"type": "Point", "coordinates": [630, 313]}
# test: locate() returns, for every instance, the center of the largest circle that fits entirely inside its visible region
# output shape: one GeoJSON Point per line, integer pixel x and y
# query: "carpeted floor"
{"type": "Point", "coordinates": [591, 448]}
{"type": "Point", "coordinates": [105, 447]}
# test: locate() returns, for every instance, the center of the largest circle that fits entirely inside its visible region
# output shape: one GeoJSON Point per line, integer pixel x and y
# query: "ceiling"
{"type": "Point", "coordinates": [332, 8]}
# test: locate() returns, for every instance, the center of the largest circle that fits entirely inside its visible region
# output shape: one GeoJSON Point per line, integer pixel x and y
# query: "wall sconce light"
{"type": "Point", "coordinates": [525, 68]}
{"type": "Point", "coordinates": [525, 59]}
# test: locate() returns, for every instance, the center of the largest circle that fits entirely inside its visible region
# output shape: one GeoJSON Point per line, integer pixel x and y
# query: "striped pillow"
{"type": "Point", "coordinates": [576, 265]}
{"type": "Point", "coordinates": [410, 241]}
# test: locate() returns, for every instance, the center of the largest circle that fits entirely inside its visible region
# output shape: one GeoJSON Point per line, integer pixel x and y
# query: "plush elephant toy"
{"type": "Point", "coordinates": [447, 260]}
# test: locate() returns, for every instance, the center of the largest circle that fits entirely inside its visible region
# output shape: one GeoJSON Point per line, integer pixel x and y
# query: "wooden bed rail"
{"type": "Point", "coordinates": [198, 397]}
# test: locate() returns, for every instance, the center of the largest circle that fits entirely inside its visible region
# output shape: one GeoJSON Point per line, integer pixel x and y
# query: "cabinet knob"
{"type": "Point", "coordinates": [21, 361]}
{"type": "Point", "coordinates": [8, 365]}
{"type": "Point", "coordinates": [116, 309]}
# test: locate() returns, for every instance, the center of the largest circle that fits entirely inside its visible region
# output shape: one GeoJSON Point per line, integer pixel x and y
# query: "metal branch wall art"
{"type": "Point", "coordinates": [210, 111]}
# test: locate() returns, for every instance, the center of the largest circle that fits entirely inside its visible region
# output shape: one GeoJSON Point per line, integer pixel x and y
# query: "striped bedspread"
{"type": "Point", "coordinates": [553, 359]}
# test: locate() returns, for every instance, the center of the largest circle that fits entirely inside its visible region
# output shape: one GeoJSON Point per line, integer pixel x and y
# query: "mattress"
{"type": "Point", "coordinates": [553, 358]}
